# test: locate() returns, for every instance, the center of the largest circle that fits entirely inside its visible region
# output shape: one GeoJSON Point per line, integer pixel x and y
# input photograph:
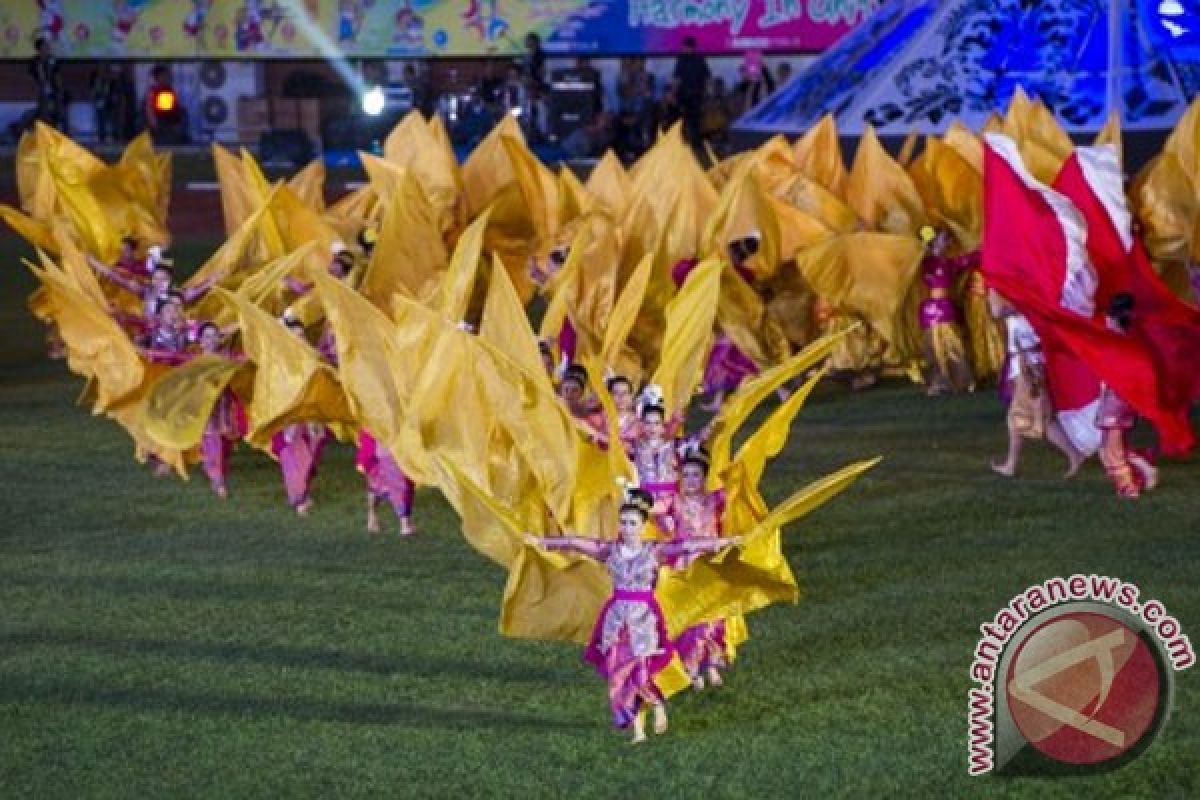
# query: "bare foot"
{"type": "Point", "coordinates": [1073, 465]}
{"type": "Point", "coordinates": [698, 683]}
{"type": "Point", "coordinates": [304, 508]}
{"type": "Point", "coordinates": [638, 737]}
{"type": "Point", "coordinates": [406, 527]}
{"type": "Point", "coordinates": [1007, 470]}
{"type": "Point", "coordinates": [372, 523]}
{"type": "Point", "coordinates": [221, 491]}
{"type": "Point", "coordinates": [660, 719]}
{"type": "Point", "coordinates": [714, 678]}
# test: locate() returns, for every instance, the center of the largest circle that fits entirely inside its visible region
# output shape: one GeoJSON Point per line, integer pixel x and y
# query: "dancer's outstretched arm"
{"type": "Point", "coordinates": [592, 548]}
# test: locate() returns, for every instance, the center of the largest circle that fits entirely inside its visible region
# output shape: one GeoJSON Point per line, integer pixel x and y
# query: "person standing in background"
{"type": "Point", "coordinates": [44, 69]}
{"type": "Point", "coordinates": [690, 82]}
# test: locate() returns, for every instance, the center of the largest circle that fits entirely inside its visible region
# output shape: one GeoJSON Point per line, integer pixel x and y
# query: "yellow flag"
{"type": "Point", "coordinates": [691, 316]}
{"type": "Point", "coordinates": [1166, 203]}
{"type": "Point", "coordinates": [952, 191]}
{"type": "Point", "coordinates": [96, 345]}
{"type": "Point", "coordinates": [613, 351]}
{"type": "Point", "coordinates": [768, 441]}
{"type": "Point", "coordinates": [409, 255]}
{"type": "Point", "coordinates": [880, 191]}
{"type": "Point", "coordinates": [873, 275]}
{"type": "Point", "coordinates": [179, 403]}
{"type": "Point", "coordinates": [454, 295]}
{"type": "Point", "coordinates": [309, 185]}
{"type": "Point", "coordinates": [818, 154]}
{"type": "Point", "coordinates": [291, 383]}
{"type": "Point", "coordinates": [609, 184]}
{"type": "Point", "coordinates": [738, 406]}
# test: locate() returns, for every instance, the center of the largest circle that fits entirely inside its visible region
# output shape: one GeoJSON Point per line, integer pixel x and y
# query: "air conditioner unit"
{"type": "Point", "coordinates": [221, 84]}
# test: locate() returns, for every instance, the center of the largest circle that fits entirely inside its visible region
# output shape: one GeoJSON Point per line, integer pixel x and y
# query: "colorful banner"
{"type": "Point", "coordinates": [150, 29]}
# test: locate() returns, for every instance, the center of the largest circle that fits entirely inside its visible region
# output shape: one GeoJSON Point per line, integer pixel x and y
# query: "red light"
{"type": "Point", "coordinates": [164, 101]}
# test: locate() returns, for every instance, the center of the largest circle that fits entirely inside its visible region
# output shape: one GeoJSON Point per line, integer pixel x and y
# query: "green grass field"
{"type": "Point", "coordinates": [155, 642]}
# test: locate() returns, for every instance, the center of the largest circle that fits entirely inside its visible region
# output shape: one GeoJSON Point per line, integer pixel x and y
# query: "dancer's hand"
{"type": "Point", "coordinates": [532, 540]}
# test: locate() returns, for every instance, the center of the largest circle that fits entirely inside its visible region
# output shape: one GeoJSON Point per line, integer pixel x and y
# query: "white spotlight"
{"type": "Point", "coordinates": [373, 100]}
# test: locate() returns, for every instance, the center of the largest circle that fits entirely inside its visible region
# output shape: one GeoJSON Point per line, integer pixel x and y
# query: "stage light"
{"type": "Point", "coordinates": [165, 101]}
{"type": "Point", "coordinates": [373, 101]}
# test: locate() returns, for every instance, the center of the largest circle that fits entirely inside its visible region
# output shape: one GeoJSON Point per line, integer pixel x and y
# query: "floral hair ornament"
{"type": "Point", "coordinates": [651, 399]}
{"type": "Point", "coordinates": [635, 498]}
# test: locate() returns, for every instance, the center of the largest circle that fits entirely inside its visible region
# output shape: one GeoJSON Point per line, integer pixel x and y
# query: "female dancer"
{"type": "Point", "coordinates": [385, 480]}
{"type": "Point", "coordinates": [226, 425]}
{"type": "Point", "coordinates": [696, 514]}
{"type": "Point", "coordinates": [298, 448]}
{"type": "Point", "coordinates": [1030, 413]}
{"type": "Point", "coordinates": [629, 644]}
{"type": "Point", "coordinates": [656, 452]}
{"type": "Point", "coordinates": [949, 367]}
{"type": "Point", "coordinates": [1130, 471]}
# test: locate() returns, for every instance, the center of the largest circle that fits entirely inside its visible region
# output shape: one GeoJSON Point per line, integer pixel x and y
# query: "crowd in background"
{"type": "Point", "coordinates": [644, 103]}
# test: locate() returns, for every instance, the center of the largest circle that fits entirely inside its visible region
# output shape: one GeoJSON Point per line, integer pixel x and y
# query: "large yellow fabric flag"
{"type": "Point", "coordinates": [609, 184]}
{"type": "Point", "coordinates": [881, 192]}
{"type": "Point", "coordinates": [952, 191]}
{"type": "Point", "coordinates": [768, 441]}
{"type": "Point", "coordinates": [237, 200]}
{"type": "Point", "coordinates": [1166, 204]}
{"type": "Point", "coordinates": [89, 219]}
{"type": "Point", "coordinates": [309, 185]}
{"type": "Point", "coordinates": [365, 339]}
{"type": "Point", "coordinates": [813, 199]}
{"type": "Point", "coordinates": [613, 352]}
{"type": "Point", "coordinates": [424, 149]}
{"type": "Point", "coordinates": [39, 234]}
{"type": "Point", "coordinates": [742, 316]}
{"type": "Point", "coordinates": [96, 345]}
{"type": "Point", "coordinates": [818, 154]}
{"type": "Point", "coordinates": [180, 401]}
{"type": "Point", "coordinates": [589, 280]}
{"type": "Point", "coordinates": [409, 255]}
{"type": "Point", "coordinates": [744, 211]}
{"type": "Point", "coordinates": [454, 295]}
{"type": "Point", "coordinates": [691, 316]}
{"type": "Point", "coordinates": [873, 275]}
{"type": "Point", "coordinates": [291, 383]}
{"type": "Point", "coordinates": [738, 406]}
{"type": "Point", "coordinates": [966, 144]}
{"type": "Point", "coordinates": [252, 243]}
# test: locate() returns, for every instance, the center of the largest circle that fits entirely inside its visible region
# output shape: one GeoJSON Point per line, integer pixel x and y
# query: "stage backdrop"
{"type": "Point", "coordinates": [148, 29]}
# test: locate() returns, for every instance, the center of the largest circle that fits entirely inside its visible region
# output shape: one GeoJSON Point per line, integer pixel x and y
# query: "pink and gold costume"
{"type": "Point", "coordinates": [226, 426]}
{"type": "Point", "coordinates": [298, 448]}
{"type": "Point", "coordinates": [940, 320]}
{"type": "Point", "coordinates": [385, 479]}
{"type": "Point", "coordinates": [702, 646]}
{"type": "Point", "coordinates": [629, 645]}
{"type": "Point", "coordinates": [1131, 471]}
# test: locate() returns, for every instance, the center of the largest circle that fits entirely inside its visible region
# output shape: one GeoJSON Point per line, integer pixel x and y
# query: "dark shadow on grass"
{"type": "Point", "coordinates": [301, 709]}
{"type": "Point", "coordinates": [284, 656]}
{"type": "Point", "coordinates": [222, 590]}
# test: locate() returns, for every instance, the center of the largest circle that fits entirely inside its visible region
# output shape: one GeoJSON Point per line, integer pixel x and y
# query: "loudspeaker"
{"type": "Point", "coordinates": [572, 100]}
{"type": "Point", "coordinates": [286, 146]}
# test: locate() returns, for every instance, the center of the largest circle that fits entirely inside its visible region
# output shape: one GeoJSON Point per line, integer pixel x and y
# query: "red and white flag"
{"type": "Point", "coordinates": [1036, 252]}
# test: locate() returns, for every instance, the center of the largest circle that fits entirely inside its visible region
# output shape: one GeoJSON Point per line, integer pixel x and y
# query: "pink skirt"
{"type": "Point", "coordinates": [630, 678]}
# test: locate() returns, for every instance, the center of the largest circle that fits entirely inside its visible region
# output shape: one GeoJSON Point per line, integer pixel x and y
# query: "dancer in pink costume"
{"type": "Point", "coordinates": [226, 425]}
{"type": "Point", "coordinates": [629, 645]}
{"type": "Point", "coordinates": [385, 481]}
{"type": "Point", "coordinates": [298, 448]}
{"type": "Point", "coordinates": [696, 514]}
